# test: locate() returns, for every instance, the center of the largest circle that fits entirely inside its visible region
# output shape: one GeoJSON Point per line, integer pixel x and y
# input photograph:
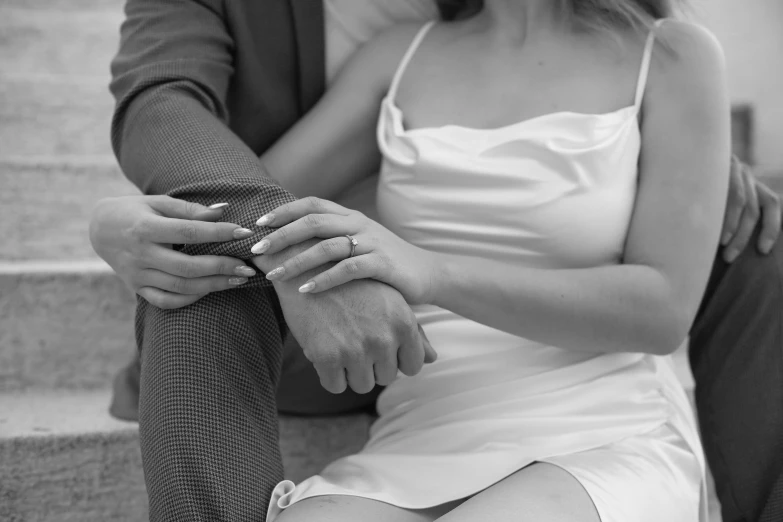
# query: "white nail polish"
{"type": "Point", "coordinates": [217, 206]}
{"type": "Point", "coordinates": [307, 287]}
{"type": "Point", "coordinates": [265, 220]}
{"type": "Point", "coordinates": [260, 247]}
{"type": "Point", "coordinates": [277, 272]}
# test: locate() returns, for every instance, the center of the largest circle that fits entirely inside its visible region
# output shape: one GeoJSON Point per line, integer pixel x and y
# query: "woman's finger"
{"type": "Point", "coordinates": [188, 286]}
{"type": "Point", "coordinates": [184, 265]}
{"type": "Point", "coordinates": [360, 267]}
{"type": "Point", "coordinates": [328, 250]}
{"type": "Point", "coordinates": [309, 227]}
{"type": "Point", "coordinates": [747, 224]}
{"type": "Point", "coordinates": [735, 205]}
{"type": "Point", "coordinates": [166, 300]}
{"type": "Point", "coordinates": [289, 212]}
{"type": "Point", "coordinates": [158, 229]}
{"type": "Point", "coordinates": [771, 218]}
{"type": "Point", "coordinates": [181, 209]}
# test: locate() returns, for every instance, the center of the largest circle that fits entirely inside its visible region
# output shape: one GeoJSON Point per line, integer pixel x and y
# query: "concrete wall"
{"type": "Point", "coordinates": [751, 32]}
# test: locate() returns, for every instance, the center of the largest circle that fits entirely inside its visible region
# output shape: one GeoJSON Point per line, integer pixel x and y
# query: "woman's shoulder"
{"type": "Point", "coordinates": [685, 48]}
{"type": "Point", "coordinates": [687, 62]}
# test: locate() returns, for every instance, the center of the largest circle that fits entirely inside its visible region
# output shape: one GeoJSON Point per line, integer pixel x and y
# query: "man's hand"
{"type": "Point", "coordinates": [749, 201]}
{"type": "Point", "coordinates": [357, 335]}
{"type": "Point", "coordinates": [134, 234]}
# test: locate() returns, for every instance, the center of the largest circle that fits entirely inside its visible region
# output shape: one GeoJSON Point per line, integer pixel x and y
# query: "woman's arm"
{"type": "Point", "coordinates": [648, 303]}
{"type": "Point", "coordinates": [334, 145]}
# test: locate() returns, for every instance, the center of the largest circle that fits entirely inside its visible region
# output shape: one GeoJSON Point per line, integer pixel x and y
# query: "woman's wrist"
{"type": "Point", "coordinates": [443, 278]}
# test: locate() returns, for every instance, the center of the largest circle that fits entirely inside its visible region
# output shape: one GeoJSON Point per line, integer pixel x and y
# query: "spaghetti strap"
{"type": "Point", "coordinates": [407, 58]}
{"type": "Point", "coordinates": [645, 68]}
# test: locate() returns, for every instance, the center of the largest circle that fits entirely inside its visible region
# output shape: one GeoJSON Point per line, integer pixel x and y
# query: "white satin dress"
{"type": "Point", "coordinates": [556, 191]}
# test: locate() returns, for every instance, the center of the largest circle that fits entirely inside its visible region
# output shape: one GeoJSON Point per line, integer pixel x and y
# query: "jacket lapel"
{"type": "Point", "coordinates": [310, 43]}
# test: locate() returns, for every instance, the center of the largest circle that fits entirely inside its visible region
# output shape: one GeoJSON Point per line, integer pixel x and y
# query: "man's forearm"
{"type": "Point", "coordinates": [168, 142]}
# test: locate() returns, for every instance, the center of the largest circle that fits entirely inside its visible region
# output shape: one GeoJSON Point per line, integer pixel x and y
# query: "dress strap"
{"type": "Point", "coordinates": [407, 58]}
{"type": "Point", "coordinates": [646, 59]}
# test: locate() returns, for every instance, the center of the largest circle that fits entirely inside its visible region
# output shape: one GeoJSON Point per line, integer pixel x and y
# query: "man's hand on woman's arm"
{"type": "Point", "coordinates": [134, 235]}
{"type": "Point", "coordinates": [749, 201]}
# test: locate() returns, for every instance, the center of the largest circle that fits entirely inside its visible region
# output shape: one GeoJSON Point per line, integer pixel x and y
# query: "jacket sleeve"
{"type": "Point", "coordinates": [169, 129]}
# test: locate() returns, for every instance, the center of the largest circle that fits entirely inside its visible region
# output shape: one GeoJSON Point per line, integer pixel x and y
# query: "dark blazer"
{"type": "Point", "coordinates": [202, 87]}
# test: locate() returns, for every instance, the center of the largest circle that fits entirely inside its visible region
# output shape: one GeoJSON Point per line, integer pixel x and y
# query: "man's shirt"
{"type": "Point", "coordinates": [350, 23]}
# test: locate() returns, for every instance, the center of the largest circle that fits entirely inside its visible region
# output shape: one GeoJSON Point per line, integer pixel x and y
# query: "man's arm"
{"type": "Point", "coordinates": [169, 132]}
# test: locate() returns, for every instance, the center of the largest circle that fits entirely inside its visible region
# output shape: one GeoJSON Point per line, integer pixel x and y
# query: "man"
{"type": "Point", "coordinates": [205, 86]}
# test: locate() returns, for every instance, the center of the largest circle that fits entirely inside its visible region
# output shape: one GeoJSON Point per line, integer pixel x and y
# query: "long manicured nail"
{"type": "Point", "coordinates": [242, 233]}
{"type": "Point", "coordinates": [236, 281]}
{"type": "Point", "coordinates": [766, 246]}
{"type": "Point", "coordinates": [244, 271]}
{"type": "Point", "coordinates": [217, 206]}
{"type": "Point", "coordinates": [265, 220]}
{"type": "Point", "coordinates": [277, 273]}
{"type": "Point", "coordinates": [307, 287]}
{"type": "Point", "coordinates": [260, 247]}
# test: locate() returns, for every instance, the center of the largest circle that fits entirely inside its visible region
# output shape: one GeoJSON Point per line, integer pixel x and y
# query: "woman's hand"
{"type": "Point", "coordinates": [379, 253]}
{"type": "Point", "coordinates": [134, 234]}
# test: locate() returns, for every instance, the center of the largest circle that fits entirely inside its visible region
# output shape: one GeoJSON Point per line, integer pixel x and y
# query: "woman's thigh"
{"type": "Point", "coordinates": [538, 492]}
{"type": "Point", "coordinates": [345, 508]}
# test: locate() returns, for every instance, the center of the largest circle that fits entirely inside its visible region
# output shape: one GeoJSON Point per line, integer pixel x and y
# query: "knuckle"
{"type": "Point", "coordinates": [186, 269]}
{"type": "Point", "coordinates": [314, 221]}
{"type": "Point", "coordinates": [191, 208]}
{"type": "Point", "coordinates": [329, 248]}
{"type": "Point", "coordinates": [351, 266]}
{"type": "Point", "coordinates": [314, 203]}
{"type": "Point", "coordinates": [138, 229]}
{"type": "Point", "coordinates": [189, 232]}
{"type": "Point", "coordinates": [179, 285]}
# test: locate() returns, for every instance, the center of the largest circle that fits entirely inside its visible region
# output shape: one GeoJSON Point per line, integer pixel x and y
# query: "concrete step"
{"type": "Point", "coordinates": [63, 326]}
{"type": "Point", "coordinates": [47, 115]}
{"type": "Point", "coordinates": [45, 204]}
{"type": "Point", "coordinates": [64, 459]}
{"type": "Point", "coordinates": [72, 37]}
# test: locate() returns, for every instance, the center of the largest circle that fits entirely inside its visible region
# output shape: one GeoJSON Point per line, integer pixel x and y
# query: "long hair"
{"type": "Point", "coordinates": [590, 15]}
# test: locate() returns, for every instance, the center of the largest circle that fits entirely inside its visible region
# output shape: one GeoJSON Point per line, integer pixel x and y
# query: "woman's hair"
{"type": "Point", "coordinates": [591, 15]}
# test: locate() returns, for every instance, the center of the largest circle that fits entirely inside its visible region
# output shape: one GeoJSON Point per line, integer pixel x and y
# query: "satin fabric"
{"type": "Point", "coordinates": [556, 191]}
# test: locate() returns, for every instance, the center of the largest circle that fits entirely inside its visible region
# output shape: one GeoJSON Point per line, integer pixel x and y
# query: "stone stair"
{"type": "Point", "coordinates": [66, 322]}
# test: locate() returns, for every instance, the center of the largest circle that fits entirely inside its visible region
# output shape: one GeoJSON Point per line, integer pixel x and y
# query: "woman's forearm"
{"type": "Point", "coordinates": [618, 308]}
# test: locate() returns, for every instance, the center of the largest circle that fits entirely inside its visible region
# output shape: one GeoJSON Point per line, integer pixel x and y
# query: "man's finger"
{"type": "Point", "coordinates": [361, 378]}
{"type": "Point", "coordinates": [747, 224]}
{"type": "Point", "coordinates": [430, 355]}
{"type": "Point", "coordinates": [159, 229]}
{"type": "Point", "coordinates": [332, 378]}
{"type": "Point", "coordinates": [410, 355]}
{"type": "Point", "coordinates": [736, 202]}
{"type": "Point", "coordinates": [182, 265]}
{"type": "Point", "coordinates": [385, 371]}
{"type": "Point", "coordinates": [166, 300]}
{"type": "Point", "coordinates": [771, 218]}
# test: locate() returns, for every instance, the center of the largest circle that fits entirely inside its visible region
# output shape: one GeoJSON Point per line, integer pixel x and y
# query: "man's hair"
{"type": "Point", "coordinates": [590, 15]}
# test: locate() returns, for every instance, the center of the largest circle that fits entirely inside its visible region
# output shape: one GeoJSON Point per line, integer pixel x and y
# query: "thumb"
{"type": "Point", "coordinates": [181, 209]}
{"type": "Point", "coordinates": [430, 355]}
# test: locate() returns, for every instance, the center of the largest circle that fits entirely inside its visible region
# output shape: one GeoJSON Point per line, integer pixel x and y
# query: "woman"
{"type": "Point", "coordinates": [538, 160]}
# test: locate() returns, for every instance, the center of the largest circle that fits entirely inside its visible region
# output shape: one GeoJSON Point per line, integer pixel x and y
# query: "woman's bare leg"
{"type": "Point", "coordinates": [344, 508]}
{"type": "Point", "coordinates": [535, 493]}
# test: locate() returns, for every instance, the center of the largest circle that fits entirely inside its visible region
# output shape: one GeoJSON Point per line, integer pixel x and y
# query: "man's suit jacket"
{"type": "Point", "coordinates": [202, 87]}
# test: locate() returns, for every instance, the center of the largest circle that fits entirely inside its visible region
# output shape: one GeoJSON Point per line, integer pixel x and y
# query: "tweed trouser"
{"type": "Point", "coordinates": [210, 373]}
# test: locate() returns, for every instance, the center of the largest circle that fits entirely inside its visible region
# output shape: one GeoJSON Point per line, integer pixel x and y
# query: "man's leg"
{"type": "Point", "coordinates": [207, 412]}
{"type": "Point", "coordinates": [736, 355]}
